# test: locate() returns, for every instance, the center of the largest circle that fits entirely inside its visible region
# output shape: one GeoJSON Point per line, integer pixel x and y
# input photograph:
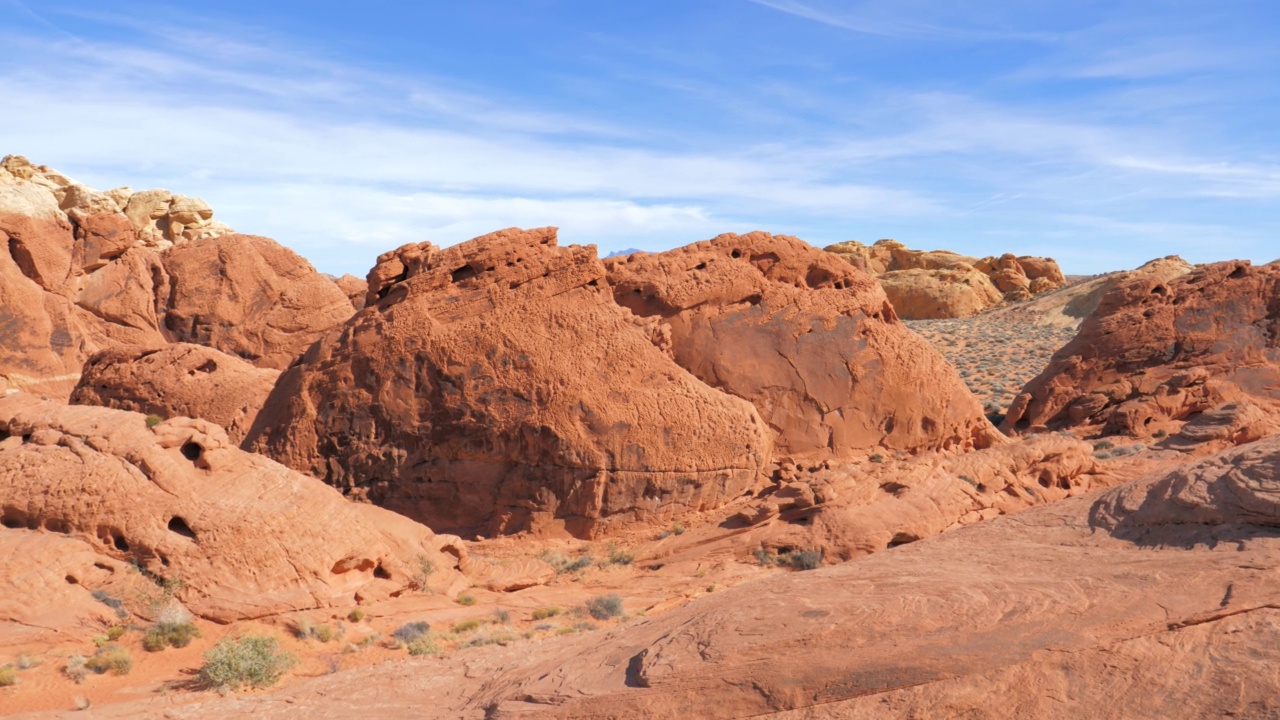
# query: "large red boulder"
{"type": "Point", "coordinates": [1160, 349]}
{"type": "Point", "coordinates": [248, 296]}
{"type": "Point", "coordinates": [177, 380]}
{"type": "Point", "coordinates": [496, 386]}
{"type": "Point", "coordinates": [807, 338]}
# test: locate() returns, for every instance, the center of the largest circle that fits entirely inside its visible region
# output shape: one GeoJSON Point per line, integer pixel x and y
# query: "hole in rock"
{"type": "Point", "coordinates": [71, 580]}
{"type": "Point", "coordinates": [1239, 273]}
{"type": "Point", "coordinates": [381, 573]}
{"type": "Point", "coordinates": [56, 525]}
{"type": "Point", "coordinates": [104, 566]}
{"type": "Point", "coordinates": [180, 526]}
{"type": "Point", "coordinates": [164, 560]}
{"type": "Point", "coordinates": [736, 254]}
{"type": "Point", "coordinates": [700, 266]}
{"type": "Point", "coordinates": [462, 273]}
{"type": "Point", "coordinates": [192, 451]}
{"type": "Point", "coordinates": [121, 544]}
{"type": "Point", "coordinates": [207, 366]}
{"type": "Point", "coordinates": [12, 523]}
{"type": "Point", "coordinates": [901, 538]}
{"type": "Point", "coordinates": [1159, 290]}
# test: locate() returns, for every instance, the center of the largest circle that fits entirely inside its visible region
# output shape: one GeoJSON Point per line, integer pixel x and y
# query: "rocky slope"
{"type": "Point", "coordinates": [1159, 351]}
{"type": "Point", "coordinates": [942, 284]}
{"type": "Point", "coordinates": [1152, 600]}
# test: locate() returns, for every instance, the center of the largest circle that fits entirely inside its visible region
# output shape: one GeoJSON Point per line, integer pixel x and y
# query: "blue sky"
{"type": "Point", "coordinates": [1100, 133]}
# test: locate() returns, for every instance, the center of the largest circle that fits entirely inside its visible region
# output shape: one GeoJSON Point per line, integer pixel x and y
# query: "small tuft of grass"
{"type": "Point", "coordinates": [154, 420]}
{"type": "Point", "coordinates": [8, 675]}
{"type": "Point", "coordinates": [546, 612]}
{"type": "Point", "coordinates": [804, 560]}
{"type": "Point", "coordinates": [605, 606]}
{"type": "Point", "coordinates": [76, 668]}
{"type": "Point", "coordinates": [466, 600]}
{"type": "Point", "coordinates": [356, 615]}
{"type": "Point", "coordinates": [465, 626]}
{"type": "Point", "coordinates": [619, 557]}
{"type": "Point", "coordinates": [425, 646]}
{"type": "Point", "coordinates": [254, 661]}
{"type": "Point", "coordinates": [114, 603]}
{"type": "Point", "coordinates": [876, 458]}
{"type": "Point", "coordinates": [501, 617]}
{"type": "Point", "coordinates": [169, 634]}
{"type": "Point", "coordinates": [409, 632]}
{"type": "Point", "coordinates": [115, 659]}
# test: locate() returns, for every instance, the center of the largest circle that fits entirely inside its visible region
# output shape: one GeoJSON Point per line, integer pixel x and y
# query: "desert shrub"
{"type": "Point", "coordinates": [501, 617]}
{"type": "Point", "coordinates": [324, 633]}
{"type": "Point", "coordinates": [76, 669]}
{"type": "Point", "coordinates": [492, 638]}
{"type": "Point", "coordinates": [25, 662]}
{"type": "Point", "coordinates": [876, 458]}
{"type": "Point", "coordinates": [356, 615]}
{"type": "Point", "coordinates": [115, 632]}
{"type": "Point", "coordinates": [255, 661]}
{"type": "Point", "coordinates": [563, 564]}
{"type": "Point", "coordinates": [424, 646]}
{"type": "Point", "coordinates": [465, 626]}
{"type": "Point", "coordinates": [762, 556]}
{"type": "Point", "coordinates": [169, 634]}
{"type": "Point", "coordinates": [677, 528]}
{"type": "Point", "coordinates": [115, 659]}
{"type": "Point", "coordinates": [620, 557]}
{"type": "Point", "coordinates": [805, 560]}
{"type": "Point", "coordinates": [423, 575]}
{"type": "Point", "coordinates": [1160, 434]}
{"type": "Point", "coordinates": [605, 606]}
{"type": "Point", "coordinates": [1103, 445]}
{"type": "Point", "coordinates": [546, 612]}
{"type": "Point", "coordinates": [8, 675]}
{"type": "Point", "coordinates": [154, 420]}
{"type": "Point", "coordinates": [409, 632]}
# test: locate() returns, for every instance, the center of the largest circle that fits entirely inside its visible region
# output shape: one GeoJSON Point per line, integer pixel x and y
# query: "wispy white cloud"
{"type": "Point", "coordinates": [894, 25]}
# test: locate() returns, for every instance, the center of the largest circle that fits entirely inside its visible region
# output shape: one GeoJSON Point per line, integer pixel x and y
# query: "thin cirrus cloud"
{"type": "Point", "coordinates": [1089, 139]}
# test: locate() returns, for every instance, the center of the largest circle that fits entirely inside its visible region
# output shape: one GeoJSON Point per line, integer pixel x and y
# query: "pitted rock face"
{"type": "Point", "coordinates": [247, 536]}
{"type": "Point", "coordinates": [810, 340]}
{"type": "Point", "coordinates": [496, 386]}
{"type": "Point", "coordinates": [1162, 348]}
{"type": "Point", "coordinates": [178, 380]}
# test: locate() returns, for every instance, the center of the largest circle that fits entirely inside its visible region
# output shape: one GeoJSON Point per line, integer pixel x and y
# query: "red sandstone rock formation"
{"type": "Point", "coordinates": [495, 386]}
{"type": "Point", "coordinates": [942, 284]}
{"type": "Point", "coordinates": [1154, 600]}
{"type": "Point", "coordinates": [1158, 350]}
{"type": "Point", "coordinates": [81, 271]}
{"type": "Point", "coordinates": [355, 289]}
{"type": "Point", "coordinates": [808, 339]}
{"type": "Point", "coordinates": [248, 537]}
{"type": "Point", "coordinates": [178, 380]}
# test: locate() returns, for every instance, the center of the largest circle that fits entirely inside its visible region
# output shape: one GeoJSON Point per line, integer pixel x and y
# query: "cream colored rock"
{"type": "Point", "coordinates": [80, 202]}
{"type": "Point", "coordinates": [925, 291]}
{"type": "Point", "coordinates": [147, 210]}
{"type": "Point", "coordinates": [930, 294]}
